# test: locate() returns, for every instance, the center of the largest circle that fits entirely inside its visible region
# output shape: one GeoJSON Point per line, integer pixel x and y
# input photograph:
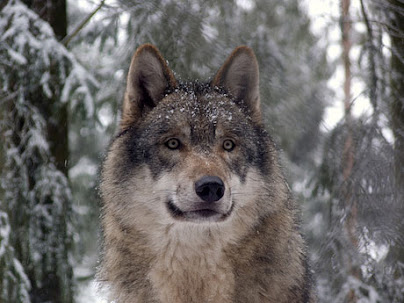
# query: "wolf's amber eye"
{"type": "Point", "coordinates": [173, 143]}
{"type": "Point", "coordinates": [228, 145]}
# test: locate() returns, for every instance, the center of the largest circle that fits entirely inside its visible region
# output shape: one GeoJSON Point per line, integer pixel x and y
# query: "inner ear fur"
{"type": "Point", "coordinates": [148, 79]}
{"type": "Point", "coordinates": [239, 76]}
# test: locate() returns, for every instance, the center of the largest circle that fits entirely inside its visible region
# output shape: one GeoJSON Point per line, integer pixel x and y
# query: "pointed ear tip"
{"type": "Point", "coordinates": [148, 55]}
{"type": "Point", "coordinates": [246, 54]}
{"type": "Point", "coordinates": [244, 49]}
{"type": "Point", "coordinates": [147, 47]}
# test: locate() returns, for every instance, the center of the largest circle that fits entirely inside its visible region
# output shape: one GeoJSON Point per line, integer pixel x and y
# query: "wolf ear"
{"type": "Point", "coordinates": [239, 75]}
{"type": "Point", "coordinates": [148, 79]}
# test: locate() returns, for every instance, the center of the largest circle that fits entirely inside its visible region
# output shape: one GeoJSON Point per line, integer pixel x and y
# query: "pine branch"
{"type": "Point", "coordinates": [66, 40]}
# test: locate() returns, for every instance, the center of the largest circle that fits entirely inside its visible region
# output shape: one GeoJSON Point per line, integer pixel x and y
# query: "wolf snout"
{"type": "Point", "coordinates": [210, 188]}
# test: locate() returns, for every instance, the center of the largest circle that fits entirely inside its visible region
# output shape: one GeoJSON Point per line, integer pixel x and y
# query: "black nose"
{"type": "Point", "coordinates": [210, 188]}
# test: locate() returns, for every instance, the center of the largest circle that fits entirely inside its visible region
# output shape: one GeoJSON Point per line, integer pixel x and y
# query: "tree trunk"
{"type": "Point", "coordinates": [348, 202]}
{"type": "Point", "coordinates": [50, 288]}
{"type": "Point", "coordinates": [396, 31]}
{"type": "Point", "coordinates": [54, 12]}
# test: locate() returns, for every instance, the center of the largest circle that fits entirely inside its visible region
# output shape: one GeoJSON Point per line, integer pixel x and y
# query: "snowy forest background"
{"type": "Point", "coordinates": [332, 85]}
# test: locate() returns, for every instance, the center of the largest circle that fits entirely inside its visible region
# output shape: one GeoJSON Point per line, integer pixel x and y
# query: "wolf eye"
{"type": "Point", "coordinates": [173, 143]}
{"type": "Point", "coordinates": [228, 145]}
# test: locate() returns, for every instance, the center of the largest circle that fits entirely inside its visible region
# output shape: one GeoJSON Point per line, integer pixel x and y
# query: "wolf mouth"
{"type": "Point", "coordinates": [204, 214]}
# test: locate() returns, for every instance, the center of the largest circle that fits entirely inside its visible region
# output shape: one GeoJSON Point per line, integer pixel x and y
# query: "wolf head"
{"type": "Point", "coordinates": [191, 152]}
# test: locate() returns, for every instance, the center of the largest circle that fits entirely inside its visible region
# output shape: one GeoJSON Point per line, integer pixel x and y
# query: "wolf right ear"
{"type": "Point", "coordinates": [239, 75]}
{"type": "Point", "coordinates": [148, 79]}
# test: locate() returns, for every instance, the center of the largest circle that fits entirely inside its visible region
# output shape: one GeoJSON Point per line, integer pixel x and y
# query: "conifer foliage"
{"type": "Point", "coordinates": [37, 77]}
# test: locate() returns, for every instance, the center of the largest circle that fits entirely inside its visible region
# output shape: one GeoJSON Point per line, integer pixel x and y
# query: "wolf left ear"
{"type": "Point", "coordinates": [239, 75]}
{"type": "Point", "coordinates": [148, 79]}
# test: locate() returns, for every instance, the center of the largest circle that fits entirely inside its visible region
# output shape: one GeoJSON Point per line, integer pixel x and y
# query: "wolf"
{"type": "Point", "coordinates": [195, 207]}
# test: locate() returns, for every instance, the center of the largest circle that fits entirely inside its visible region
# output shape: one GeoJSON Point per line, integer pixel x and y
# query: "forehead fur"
{"type": "Point", "coordinates": [198, 103]}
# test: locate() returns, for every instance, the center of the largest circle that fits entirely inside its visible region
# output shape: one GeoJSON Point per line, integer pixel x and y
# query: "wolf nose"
{"type": "Point", "coordinates": [210, 188]}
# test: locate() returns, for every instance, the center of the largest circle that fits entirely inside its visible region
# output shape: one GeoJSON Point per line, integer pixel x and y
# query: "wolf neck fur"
{"type": "Point", "coordinates": [183, 252]}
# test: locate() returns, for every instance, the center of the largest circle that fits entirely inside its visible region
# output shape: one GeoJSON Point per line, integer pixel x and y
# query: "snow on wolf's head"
{"type": "Point", "coordinates": [191, 152]}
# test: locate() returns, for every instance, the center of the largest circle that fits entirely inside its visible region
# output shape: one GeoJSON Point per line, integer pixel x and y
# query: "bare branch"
{"type": "Point", "coordinates": [70, 36]}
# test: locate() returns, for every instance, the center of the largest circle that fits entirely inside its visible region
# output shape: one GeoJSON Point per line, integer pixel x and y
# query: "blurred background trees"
{"type": "Point", "coordinates": [38, 78]}
{"type": "Point", "coordinates": [60, 97]}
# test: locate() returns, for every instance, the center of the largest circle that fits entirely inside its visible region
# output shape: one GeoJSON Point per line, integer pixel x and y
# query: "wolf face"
{"type": "Point", "coordinates": [199, 144]}
{"type": "Point", "coordinates": [195, 206]}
